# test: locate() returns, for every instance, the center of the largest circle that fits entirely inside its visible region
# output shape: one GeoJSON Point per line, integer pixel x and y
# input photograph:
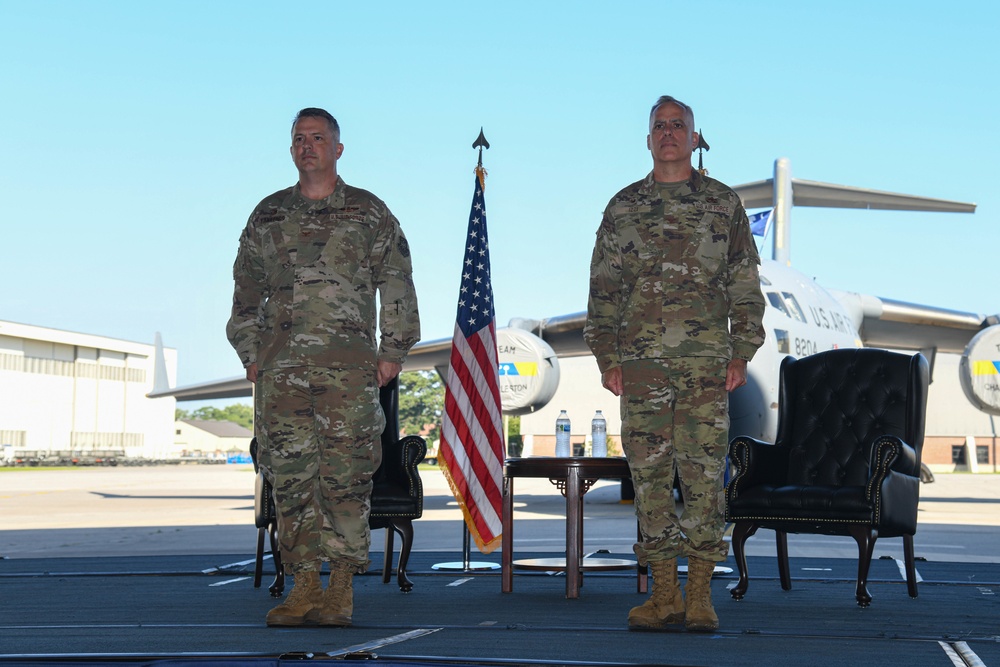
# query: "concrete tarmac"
{"type": "Point", "coordinates": [143, 566]}
{"type": "Point", "coordinates": [208, 509]}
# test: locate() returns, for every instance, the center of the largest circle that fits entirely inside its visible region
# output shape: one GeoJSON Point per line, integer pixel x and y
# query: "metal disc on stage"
{"type": "Point", "coordinates": [465, 567]}
{"type": "Point", "coordinates": [719, 569]}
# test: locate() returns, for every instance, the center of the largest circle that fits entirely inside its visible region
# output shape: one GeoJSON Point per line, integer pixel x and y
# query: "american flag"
{"type": "Point", "coordinates": [472, 445]}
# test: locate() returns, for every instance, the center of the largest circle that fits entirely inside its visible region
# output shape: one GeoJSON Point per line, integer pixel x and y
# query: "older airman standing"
{"type": "Point", "coordinates": [674, 316]}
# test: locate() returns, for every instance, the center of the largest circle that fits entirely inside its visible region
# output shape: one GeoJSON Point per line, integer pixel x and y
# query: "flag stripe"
{"type": "Point", "coordinates": [465, 467]}
{"type": "Point", "coordinates": [478, 456]}
{"type": "Point", "coordinates": [472, 446]}
{"type": "Point", "coordinates": [482, 459]}
{"type": "Point", "coordinates": [483, 381]}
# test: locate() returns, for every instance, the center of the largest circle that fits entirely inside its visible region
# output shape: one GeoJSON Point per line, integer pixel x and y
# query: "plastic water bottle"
{"type": "Point", "coordinates": [562, 434]}
{"type": "Point", "coordinates": [599, 435]}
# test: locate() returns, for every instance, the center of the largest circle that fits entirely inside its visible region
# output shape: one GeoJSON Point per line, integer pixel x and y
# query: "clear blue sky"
{"type": "Point", "coordinates": [138, 136]}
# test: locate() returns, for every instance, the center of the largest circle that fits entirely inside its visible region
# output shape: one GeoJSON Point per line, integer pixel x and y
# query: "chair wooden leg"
{"type": "Point", "coordinates": [741, 531]}
{"type": "Point", "coordinates": [277, 588]}
{"type": "Point", "coordinates": [405, 529]}
{"type": "Point", "coordinates": [784, 574]}
{"type": "Point", "coordinates": [258, 562]}
{"type": "Point", "coordinates": [911, 568]}
{"type": "Point", "coordinates": [865, 537]}
{"type": "Point", "coordinates": [389, 549]}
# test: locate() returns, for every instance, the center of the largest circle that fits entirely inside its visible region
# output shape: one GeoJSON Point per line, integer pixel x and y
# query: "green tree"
{"type": "Point", "coordinates": [421, 402]}
{"type": "Point", "coordinates": [239, 413]}
{"type": "Point", "coordinates": [515, 443]}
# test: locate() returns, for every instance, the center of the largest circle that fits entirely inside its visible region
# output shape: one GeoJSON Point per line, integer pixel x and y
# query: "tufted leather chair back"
{"type": "Point", "coordinates": [388, 397]}
{"type": "Point", "coordinates": [397, 490]}
{"type": "Point", "coordinates": [834, 404]}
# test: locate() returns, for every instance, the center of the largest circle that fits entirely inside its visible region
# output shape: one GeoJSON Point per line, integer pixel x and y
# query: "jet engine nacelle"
{"type": "Point", "coordinates": [979, 370]}
{"type": "Point", "coordinates": [529, 371]}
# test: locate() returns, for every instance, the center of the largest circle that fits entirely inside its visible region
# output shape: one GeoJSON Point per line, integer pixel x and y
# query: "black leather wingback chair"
{"type": "Point", "coordinates": [397, 494]}
{"type": "Point", "coordinates": [846, 460]}
{"type": "Point", "coordinates": [397, 498]}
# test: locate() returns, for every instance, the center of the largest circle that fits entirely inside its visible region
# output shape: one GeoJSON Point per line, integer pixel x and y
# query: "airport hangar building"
{"type": "Point", "coordinates": [62, 392]}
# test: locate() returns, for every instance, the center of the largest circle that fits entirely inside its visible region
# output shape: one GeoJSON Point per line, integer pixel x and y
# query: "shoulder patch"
{"type": "Point", "coordinates": [404, 247]}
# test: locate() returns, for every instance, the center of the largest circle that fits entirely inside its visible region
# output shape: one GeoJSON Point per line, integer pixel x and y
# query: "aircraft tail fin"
{"type": "Point", "coordinates": [161, 382]}
{"type": "Point", "coordinates": [783, 192]}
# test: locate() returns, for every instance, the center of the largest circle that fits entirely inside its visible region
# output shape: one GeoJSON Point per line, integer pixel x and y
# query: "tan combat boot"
{"type": "Point", "coordinates": [304, 597]}
{"type": "Point", "coordinates": [337, 604]}
{"type": "Point", "coordinates": [665, 605]}
{"type": "Point", "coordinates": [701, 616]}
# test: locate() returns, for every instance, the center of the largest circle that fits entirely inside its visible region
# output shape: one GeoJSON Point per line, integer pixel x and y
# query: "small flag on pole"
{"type": "Point", "coordinates": [472, 443]}
{"type": "Point", "coordinates": [760, 223]}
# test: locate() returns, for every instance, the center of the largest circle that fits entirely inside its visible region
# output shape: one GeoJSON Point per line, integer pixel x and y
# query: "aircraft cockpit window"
{"type": "Point", "coordinates": [776, 301]}
{"type": "Point", "coordinates": [764, 281]}
{"type": "Point", "coordinates": [793, 306]}
{"type": "Point", "coordinates": [781, 337]}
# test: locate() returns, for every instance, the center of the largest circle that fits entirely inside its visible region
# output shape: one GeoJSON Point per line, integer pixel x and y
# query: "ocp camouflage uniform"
{"type": "Point", "coordinates": [674, 295]}
{"type": "Point", "coordinates": [304, 311]}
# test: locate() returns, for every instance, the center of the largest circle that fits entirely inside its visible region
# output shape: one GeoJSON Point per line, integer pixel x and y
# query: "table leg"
{"type": "Point", "coordinates": [579, 527]}
{"type": "Point", "coordinates": [507, 538]}
{"type": "Point", "coordinates": [574, 516]}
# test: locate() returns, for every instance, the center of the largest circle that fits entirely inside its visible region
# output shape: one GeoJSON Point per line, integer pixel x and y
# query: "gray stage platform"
{"type": "Point", "coordinates": [203, 609]}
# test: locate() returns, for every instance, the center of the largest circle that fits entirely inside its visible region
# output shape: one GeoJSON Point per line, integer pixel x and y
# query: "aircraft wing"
{"type": "Point", "coordinates": [426, 356]}
{"type": "Point", "coordinates": [236, 387]}
{"type": "Point", "coordinates": [901, 325]}
{"type": "Point", "coordinates": [760, 194]}
{"type": "Point", "coordinates": [881, 323]}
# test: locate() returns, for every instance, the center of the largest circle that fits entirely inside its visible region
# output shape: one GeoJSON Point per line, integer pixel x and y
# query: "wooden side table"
{"type": "Point", "coordinates": [573, 475]}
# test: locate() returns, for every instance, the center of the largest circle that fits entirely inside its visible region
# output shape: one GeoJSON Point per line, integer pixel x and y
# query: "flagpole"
{"type": "Point", "coordinates": [467, 565]}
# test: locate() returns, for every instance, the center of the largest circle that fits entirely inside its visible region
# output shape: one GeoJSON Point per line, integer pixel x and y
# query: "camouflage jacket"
{"type": "Point", "coordinates": [675, 277]}
{"type": "Point", "coordinates": [305, 281]}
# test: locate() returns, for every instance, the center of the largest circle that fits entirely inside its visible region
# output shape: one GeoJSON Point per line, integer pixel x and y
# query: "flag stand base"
{"type": "Point", "coordinates": [465, 565]}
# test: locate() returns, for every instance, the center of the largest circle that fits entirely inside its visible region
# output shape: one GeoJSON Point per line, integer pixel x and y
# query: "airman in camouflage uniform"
{"type": "Point", "coordinates": [674, 316]}
{"type": "Point", "coordinates": [310, 262]}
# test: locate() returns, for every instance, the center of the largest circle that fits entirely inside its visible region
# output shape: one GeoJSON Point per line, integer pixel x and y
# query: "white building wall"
{"type": "Point", "coordinates": [581, 395]}
{"type": "Point", "coordinates": [63, 390]}
{"type": "Point", "coordinates": [84, 399]}
{"type": "Point", "coordinates": [191, 441]}
{"type": "Point", "coordinates": [112, 387]}
{"type": "Point", "coordinates": [25, 406]}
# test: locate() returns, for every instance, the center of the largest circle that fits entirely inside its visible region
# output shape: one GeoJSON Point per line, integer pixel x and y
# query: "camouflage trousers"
{"type": "Point", "coordinates": [318, 431]}
{"type": "Point", "coordinates": [675, 417]}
